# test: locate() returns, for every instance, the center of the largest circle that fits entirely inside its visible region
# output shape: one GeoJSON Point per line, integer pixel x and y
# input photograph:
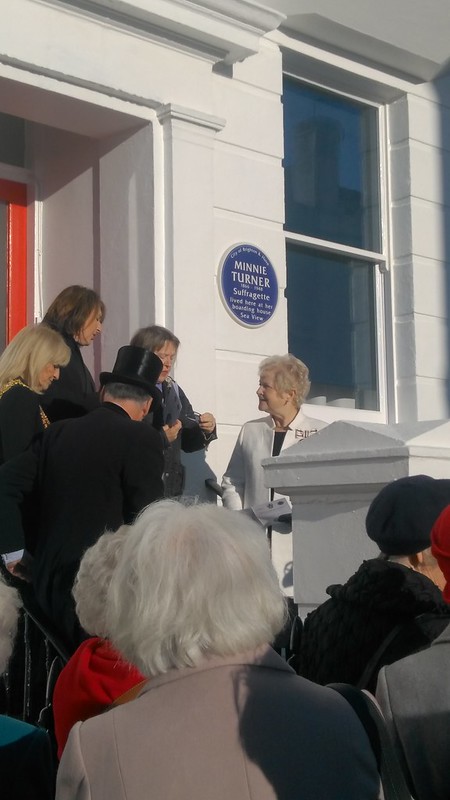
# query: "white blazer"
{"type": "Point", "coordinates": [243, 482]}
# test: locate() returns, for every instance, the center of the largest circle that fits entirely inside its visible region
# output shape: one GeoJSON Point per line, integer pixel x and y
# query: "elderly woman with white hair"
{"type": "Point", "coordinates": [96, 676]}
{"type": "Point", "coordinates": [193, 603]}
{"type": "Point", "coordinates": [283, 387]}
{"type": "Point", "coordinates": [25, 756]}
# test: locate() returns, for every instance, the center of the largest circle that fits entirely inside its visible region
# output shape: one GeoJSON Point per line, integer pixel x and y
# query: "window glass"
{"type": "Point", "coordinates": [331, 167]}
{"type": "Point", "coordinates": [331, 325]}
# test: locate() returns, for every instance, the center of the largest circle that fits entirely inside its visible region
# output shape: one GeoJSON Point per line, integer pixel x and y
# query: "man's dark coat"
{"type": "Point", "coordinates": [94, 473]}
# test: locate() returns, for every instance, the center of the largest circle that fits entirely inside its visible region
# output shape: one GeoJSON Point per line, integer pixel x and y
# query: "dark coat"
{"type": "Point", "coordinates": [20, 425]}
{"type": "Point", "coordinates": [93, 473]}
{"type": "Point", "coordinates": [414, 694]}
{"type": "Point", "coordinates": [26, 761]}
{"type": "Point", "coordinates": [20, 420]}
{"type": "Point", "coordinates": [74, 393]}
{"type": "Point", "coordinates": [343, 634]}
{"type": "Point", "coordinates": [175, 405]}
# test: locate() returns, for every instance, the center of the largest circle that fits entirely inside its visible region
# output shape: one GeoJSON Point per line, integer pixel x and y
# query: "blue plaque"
{"type": "Point", "coordinates": [248, 285]}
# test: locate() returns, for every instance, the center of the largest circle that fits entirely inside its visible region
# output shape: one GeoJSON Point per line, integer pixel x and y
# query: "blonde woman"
{"type": "Point", "coordinates": [28, 366]}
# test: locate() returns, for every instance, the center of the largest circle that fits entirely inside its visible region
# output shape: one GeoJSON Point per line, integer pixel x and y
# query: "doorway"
{"type": "Point", "coordinates": [13, 259]}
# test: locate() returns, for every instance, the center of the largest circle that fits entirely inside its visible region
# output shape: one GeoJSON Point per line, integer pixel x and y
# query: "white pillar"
{"type": "Point", "coordinates": [186, 278]}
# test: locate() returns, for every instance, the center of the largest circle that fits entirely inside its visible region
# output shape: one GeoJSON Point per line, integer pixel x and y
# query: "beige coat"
{"type": "Point", "coordinates": [232, 729]}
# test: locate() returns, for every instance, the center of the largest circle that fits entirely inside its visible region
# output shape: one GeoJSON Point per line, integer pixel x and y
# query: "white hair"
{"type": "Point", "coordinates": [192, 581]}
{"type": "Point", "coordinates": [10, 604]}
{"type": "Point", "coordinates": [289, 374]}
{"type": "Point", "coordinates": [92, 580]}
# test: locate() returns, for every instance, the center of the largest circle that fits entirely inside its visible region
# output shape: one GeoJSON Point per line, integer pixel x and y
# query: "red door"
{"type": "Point", "coordinates": [13, 254]}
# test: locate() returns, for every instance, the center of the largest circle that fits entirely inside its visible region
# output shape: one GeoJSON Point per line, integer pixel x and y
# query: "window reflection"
{"type": "Point", "coordinates": [331, 325]}
{"type": "Point", "coordinates": [331, 167]}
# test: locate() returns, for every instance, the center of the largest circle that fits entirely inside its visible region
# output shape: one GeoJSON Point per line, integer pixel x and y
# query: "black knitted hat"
{"type": "Point", "coordinates": [401, 516]}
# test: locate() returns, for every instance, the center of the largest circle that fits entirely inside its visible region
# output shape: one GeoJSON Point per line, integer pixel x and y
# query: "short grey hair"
{"type": "Point", "coordinates": [192, 582]}
{"type": "Point", "coordinates": [289, 374]}
{"type": "Point", "coordinates": [92, 580]}
{"type": "Point", "coordinates": [10, 604]}
{"type": "Point", "coordinates": [127, 391]}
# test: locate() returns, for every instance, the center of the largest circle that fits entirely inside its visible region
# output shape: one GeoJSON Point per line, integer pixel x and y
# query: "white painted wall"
{"type": "Point", "coordinates": [64, 167]}
{"type": "Point", "coordinates": [124, 264]}
{"type": "Point", "coordinates": [248, 207]}
{"type": "Point", "coordinates": [419, 127]}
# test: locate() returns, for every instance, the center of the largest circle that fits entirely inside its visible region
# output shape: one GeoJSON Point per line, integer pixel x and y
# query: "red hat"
{"type": "Point", "coordinates": [440, 547]}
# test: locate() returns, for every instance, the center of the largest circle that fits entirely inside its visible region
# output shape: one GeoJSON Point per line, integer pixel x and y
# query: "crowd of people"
{"type": "Point", "coordinates": [170, 612]}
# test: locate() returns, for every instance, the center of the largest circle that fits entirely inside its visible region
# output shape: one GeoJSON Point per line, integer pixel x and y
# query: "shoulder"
{"type": "Point", "coordinates": [323, 619]}
{"type": "Point", "coordinates": [179, 391]}
{"type": "Point", "coordinates": [14, 730]}
{"type": "Point", "coordinates": [147, 435]}
{"type": "Point", "coordinates": [138, 436]}
{"type": "Point", "coordinates": [416, 672]}
{"type": "Point", "coordinates": [422, 664]}
{"type": "Point", "coordinates": [308, 423]}
{"type": "Point", "coordinates": [256, 430]}
{"type": "Point", "coordinates": [19, 394]}
{"type": "Point", "coordinates": [95, 732]}
{"type": "Point", "coordinates": [257, 425]}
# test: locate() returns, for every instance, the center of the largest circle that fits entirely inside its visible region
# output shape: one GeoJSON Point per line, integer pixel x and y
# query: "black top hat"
{"type": "Point", "coordinates": [136, 366]}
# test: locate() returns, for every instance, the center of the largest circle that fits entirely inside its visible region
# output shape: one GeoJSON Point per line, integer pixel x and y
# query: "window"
{"type": "Point", "coordinates": [334, 242]}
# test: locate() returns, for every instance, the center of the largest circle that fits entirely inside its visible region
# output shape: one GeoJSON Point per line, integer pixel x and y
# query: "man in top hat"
{"type": "Point", "coordinates": [94, 473]}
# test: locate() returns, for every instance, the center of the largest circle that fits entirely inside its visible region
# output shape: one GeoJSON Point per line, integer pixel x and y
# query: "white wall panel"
{"type": "Point", "coordinates": [431, 347]}
{"type": "Point", "coordinates": [433, 400]}
{"type": "Point", "coordinates": [248, 183]}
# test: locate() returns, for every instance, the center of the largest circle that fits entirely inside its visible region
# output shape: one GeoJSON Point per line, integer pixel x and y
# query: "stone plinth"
{"type": "Point", "coordinates": [331, 479]}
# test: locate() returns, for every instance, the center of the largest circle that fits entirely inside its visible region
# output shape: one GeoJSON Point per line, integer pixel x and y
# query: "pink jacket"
{"type": "Point", "coordinates": [231, 729]}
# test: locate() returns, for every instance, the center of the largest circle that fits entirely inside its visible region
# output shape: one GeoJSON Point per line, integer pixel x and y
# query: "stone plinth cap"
{"type": "Point", "coordinates": [367, 453]}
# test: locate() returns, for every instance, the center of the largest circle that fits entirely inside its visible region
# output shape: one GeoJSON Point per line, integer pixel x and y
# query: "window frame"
{"type": "Point", "coordinates": [379, 260]}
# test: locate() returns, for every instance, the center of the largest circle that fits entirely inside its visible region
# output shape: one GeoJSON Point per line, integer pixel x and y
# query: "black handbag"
{"type": "Point", "coordinates": [391, 774]}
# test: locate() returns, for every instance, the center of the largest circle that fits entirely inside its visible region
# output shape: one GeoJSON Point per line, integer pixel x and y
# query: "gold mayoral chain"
{"type": "Point", "coordinates": [19, 382]}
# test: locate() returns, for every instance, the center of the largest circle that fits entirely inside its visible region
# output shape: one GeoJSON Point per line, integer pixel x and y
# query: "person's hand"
{"type": "Point", "coordinates": [207, 422]}
{"type": "Point", "coordinates": [19, 569]}
{"type": "Point", "coordinates": [172, 431]}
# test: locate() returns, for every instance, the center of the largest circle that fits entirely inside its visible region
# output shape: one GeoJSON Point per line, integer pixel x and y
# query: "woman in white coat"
{"type": "Point", "coordinates": [283, 386]}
